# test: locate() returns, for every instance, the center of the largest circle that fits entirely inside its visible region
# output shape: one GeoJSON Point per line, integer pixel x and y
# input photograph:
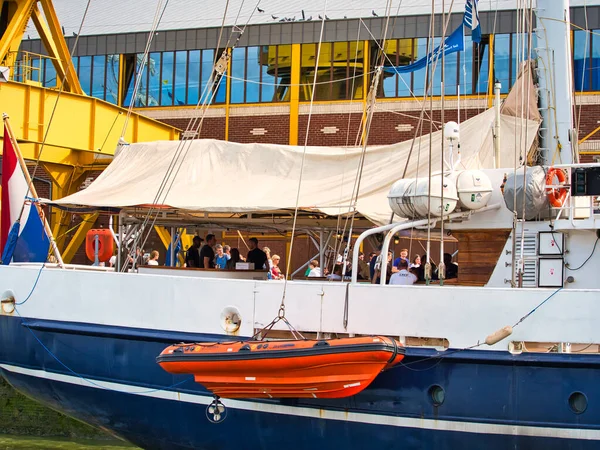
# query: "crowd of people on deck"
{"type": "Point", "coordinates": [403, 271]}
{"type": "Point", "coordinates": [211, 255]}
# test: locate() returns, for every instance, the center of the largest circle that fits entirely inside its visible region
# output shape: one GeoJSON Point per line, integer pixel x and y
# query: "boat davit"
{"type": "Point", "coordinates": [332, 368]}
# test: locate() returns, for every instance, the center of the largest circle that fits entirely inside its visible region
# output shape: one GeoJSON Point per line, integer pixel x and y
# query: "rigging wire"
{"type": "Point", "coordinates": [306, 134]}
{"type": "Point", "coordinates": [195, 123]}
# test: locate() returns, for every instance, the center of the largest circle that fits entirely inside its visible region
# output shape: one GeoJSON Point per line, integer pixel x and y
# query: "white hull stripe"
{"type": "Point", "coordinates": [376, 419]}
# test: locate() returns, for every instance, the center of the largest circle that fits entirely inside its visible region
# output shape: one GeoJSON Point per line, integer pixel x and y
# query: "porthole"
{"type": "Point", "coordinates": [578, 402]}
{"type": "Point", "coordinates": [437, 395]}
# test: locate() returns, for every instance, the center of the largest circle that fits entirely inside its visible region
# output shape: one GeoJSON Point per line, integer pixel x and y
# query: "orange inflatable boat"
{"type": "Point", "coordinates": [293, 368]}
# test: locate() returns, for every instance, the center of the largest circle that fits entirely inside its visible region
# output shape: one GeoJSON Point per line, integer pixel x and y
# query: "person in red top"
{"type": "Point", "coordinates": [275, 271]}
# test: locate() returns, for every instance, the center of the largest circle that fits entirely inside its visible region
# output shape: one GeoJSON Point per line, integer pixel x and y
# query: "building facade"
{"type": "Point", "coordinates": [266, 91]}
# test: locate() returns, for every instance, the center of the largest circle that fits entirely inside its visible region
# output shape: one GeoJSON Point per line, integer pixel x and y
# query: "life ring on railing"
{"type": "Point", "coordinates": [556, 196]}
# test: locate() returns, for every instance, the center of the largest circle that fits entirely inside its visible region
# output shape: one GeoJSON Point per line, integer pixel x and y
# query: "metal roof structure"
{"type": "Point", "coordinates": [117, 16]}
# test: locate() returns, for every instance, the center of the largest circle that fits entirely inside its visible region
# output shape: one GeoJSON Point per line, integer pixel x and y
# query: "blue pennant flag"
{"type": "Point", "coordinates": [471, 20]}
{"type": "Point", "coordinates": [453, 43]}
{"type": "Point", "coordinates": [176, 253]}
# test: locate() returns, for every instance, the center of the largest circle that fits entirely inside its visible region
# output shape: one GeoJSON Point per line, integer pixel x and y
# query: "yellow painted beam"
{"type": "Point", "coordinates": [295, 92]}
{"type": "Point", "coordinates": [227, 95]}
{"type": "Point", "coordinates": [19, 13]}
{"type": "Point", "coordinates": [164, 235]}
{"type": "Point", "coordinates": [66, 180]}
{"type": "Point", "coordinates": [80, 123]}
{"type": "Point", "coordinates": [78, 237]}
{"type": "Point", "coordinates": [56, 46]}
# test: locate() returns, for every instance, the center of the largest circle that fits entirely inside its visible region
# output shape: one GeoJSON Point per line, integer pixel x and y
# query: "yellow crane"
{"type": "Point", "coordinates": [84, 131]}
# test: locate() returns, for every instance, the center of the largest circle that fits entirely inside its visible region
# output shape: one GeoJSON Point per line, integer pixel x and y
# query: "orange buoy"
{"type": "Point", "coordinates": [556, 196]}
{"type": "Point", "coordinates": [105, 244]}
{"type": "Point", "coordinates": [331, 368]}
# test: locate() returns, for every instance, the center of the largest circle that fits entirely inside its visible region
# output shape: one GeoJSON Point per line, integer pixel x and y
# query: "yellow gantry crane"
{"type": "Point", "coordinates": [83, 131]}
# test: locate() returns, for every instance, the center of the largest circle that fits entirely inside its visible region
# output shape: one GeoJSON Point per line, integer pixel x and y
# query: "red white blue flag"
{"type": "Point", "coordinates": [22, 239]}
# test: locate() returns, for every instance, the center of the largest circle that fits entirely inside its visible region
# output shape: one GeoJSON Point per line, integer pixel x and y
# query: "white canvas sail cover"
{"type": "Point", "coordinates": [218, 176]}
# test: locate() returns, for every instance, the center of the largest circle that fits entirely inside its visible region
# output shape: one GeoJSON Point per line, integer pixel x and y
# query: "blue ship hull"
{"type": "Point", "coordinates": [107, 376]}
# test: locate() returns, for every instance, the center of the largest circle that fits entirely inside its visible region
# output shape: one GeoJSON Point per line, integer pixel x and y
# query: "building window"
{"type": "Point", "coordinates": [340, 71]}
{"type": "Point", "coordinates": [468, 69]}
{"type": "Point", "coordinates": [260, 74]}
{"type": "Point", "coordinates": [586, 60]}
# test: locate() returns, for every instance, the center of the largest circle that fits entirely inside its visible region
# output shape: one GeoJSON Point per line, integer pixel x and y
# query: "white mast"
{"type": "Point", "coordinates": [556, 89]}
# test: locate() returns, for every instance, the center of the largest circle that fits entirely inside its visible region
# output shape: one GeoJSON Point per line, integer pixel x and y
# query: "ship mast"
{"type": "Point", "coordinates": [556, 87]}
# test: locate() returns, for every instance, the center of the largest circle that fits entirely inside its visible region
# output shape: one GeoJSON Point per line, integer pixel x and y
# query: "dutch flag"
{"type": "Point", "coordinates": [471, 20]}
{"type": "Point", "coordinates": [22, 239]}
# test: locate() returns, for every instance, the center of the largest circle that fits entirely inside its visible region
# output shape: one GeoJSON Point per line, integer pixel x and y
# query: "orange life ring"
{"type": "Point", "coordinates": [556, 196]}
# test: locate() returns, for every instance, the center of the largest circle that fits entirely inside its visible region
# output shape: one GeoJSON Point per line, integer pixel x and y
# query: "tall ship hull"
{"type": "Point", "coordinates": [105, 373]}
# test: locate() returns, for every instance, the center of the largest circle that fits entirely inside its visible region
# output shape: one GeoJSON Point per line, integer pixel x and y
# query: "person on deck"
{"type": "Point", "coordinates": [256, 255]}
{"type": "Point", "coordinates": [275, 270]}
{"type": "Point", "coordinates": [363, 267]}
{"type": "Point", "coordinates": [403, 277]}
{"type": "Point", "coordinates": [377, 273]}
{"type": "Point", "coordinates": [153, 261]}
{"type": "Point", "coordinates": [220, 258]}
{"type": "Point", "coordinates": [207, 254]}
{"type": "Point", "coordinates": [267, 251]}
{"type": "Point", "coordinates": [373, 262]}
{"type": "Point", "coordinates": [192, 258]}
{"type": "Point", "coordinates": [403, 256]}
{"type": "Point", "coordinates": [416, 262]}
{"type": "Point", "coordinates": [315, 270]}
{"type": "Point", "coordinates": [451, 268]}
{"type": "Point", "coordinates": [235, 258]}
{"type": "Point", "coordinates": [227, 251]}
{"type": "Point", "coordinates": [421, 269]}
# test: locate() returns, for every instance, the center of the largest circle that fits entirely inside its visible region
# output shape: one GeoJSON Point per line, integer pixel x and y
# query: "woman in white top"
{"type": "Point", "coordinates": [416, 262]}
{"type": "Point", "coordinates": [315, 270]}
{"type": "Point", "coordinates": [153, 261]}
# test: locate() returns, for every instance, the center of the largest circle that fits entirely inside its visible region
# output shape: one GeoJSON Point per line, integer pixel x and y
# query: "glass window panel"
{"type": "Point", "coordinates": [595, 62]}
{"type": "Point", "coordinates": [269, 64]}
{"type": "Point", "coordinates": [482, 58]}
{"type": "Point", "coordinates": [180, 78]}
{"type": "Point", "coordinates": [207, 67]}
{"type": "Point", "coordinates": [282, 59]}
{"type": "Point", "coordinates": [193, 86]}
{"type": "Point", "coordinates": [253, 73]}
{"type": "Point", "coordinates": [436, 70]}
{"type": "Point", "coordinates": [340, 60]}
{"type": "Point", "coordinates": [324, 88]}
{"type": "Point", "coordinates": [502, 69]}
{"type": "Point", "coordinates": [419, 81]}
{"type": "Point", "coordinates": [35, 68]}
{"type": "Point", "coordinates": [85, 73]}
{"type": "Point", "coordinates": [166, 98]}
{"type": "Point", "coordinates": [520, 53]}
{"type": "Point", "coordinates": [112, 78]}
{"type": "Point", "coordinates": [581, 60]}
{"type": "Point", "coordinates": [238, 74]}
{"type": "Point", "coordinates": [49, 74]}
{"type": "Point", "coordinates": [142, 92]}
{"type": "Point", "coordinates": [153, 79]}
{"type": "Point", "coordinates": [451, 74]}
{"type": "Point", "coordinates": [99, 69]}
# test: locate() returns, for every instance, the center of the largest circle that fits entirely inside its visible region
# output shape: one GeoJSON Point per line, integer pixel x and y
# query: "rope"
{"type": "Point", "coordinates": [281, 314]}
